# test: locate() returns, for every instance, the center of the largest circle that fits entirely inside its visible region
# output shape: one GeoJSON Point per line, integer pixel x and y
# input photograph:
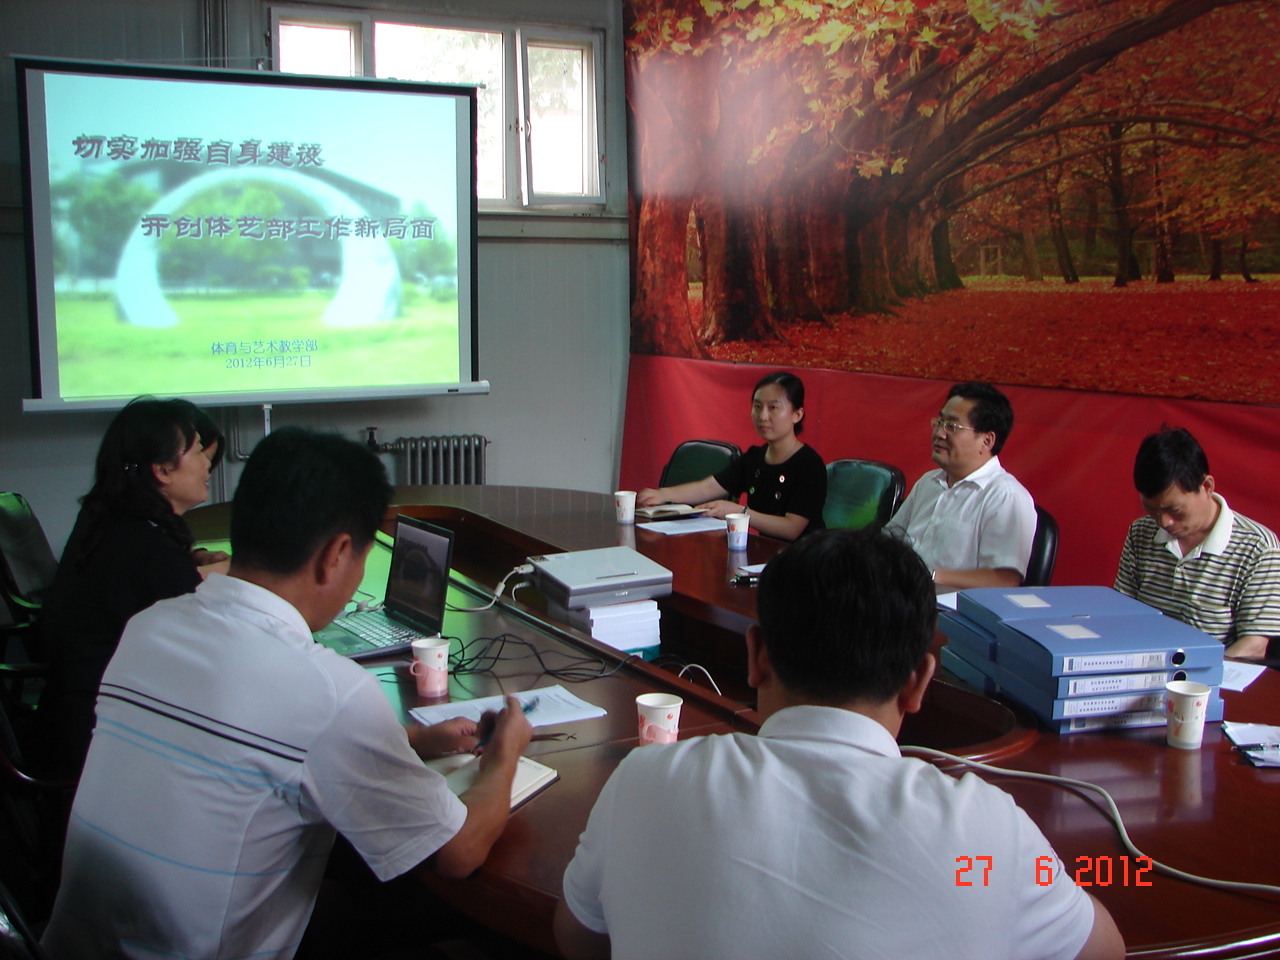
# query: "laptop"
{"type": "Point", "coordinates": [417, 585]}
{"type": "Point", "coordinates": [590, 578]}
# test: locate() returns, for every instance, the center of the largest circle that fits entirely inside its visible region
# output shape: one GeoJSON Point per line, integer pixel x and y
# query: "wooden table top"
{"type": "Point", "coordinates": [1205, 811]}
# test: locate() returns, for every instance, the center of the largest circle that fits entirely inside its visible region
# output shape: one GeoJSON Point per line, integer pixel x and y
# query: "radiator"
{"type": "Point", "coordinates": [456, 459]}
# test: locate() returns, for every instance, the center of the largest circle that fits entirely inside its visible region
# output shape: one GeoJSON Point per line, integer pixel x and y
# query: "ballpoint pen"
{"type": "Point", "coordinates": [1267, 747]}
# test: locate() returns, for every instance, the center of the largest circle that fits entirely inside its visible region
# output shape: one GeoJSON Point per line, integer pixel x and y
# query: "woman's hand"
{"type": "Point", "coordinates": [649, 497]}
{"type": "Point", "coordinates": [719, 509]}
{"type": "Point", "coordinates": [205, 557]}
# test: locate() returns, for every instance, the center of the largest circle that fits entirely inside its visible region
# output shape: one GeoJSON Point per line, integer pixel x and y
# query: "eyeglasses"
{"type": "Point", "coordinates": [950, 426]}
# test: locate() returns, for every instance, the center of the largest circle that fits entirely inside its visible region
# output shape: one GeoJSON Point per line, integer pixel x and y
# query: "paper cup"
{"type": "Point", "coordinates": [659, 717]}
{"type": "Point", "coordinates": [624, 502]}
{"type": "Point", "coordinates": [737, 524]}
{"type": "Point", "coordinates": [430, 667]}
{"type": "Point", "coordinates": [1188, 701]}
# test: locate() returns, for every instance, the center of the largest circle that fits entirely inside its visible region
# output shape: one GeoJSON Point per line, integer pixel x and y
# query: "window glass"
{"type": "Point", "coordinates": [324, 49]}
{"type": "Point", "coordinates": [560, 148]}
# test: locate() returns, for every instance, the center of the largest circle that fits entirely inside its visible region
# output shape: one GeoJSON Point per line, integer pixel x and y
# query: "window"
{"type": "Point", "coordinates": [540, 98]}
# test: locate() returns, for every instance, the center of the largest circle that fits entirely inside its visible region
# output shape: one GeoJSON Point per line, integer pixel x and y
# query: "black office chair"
{"type": "Point", "coordinates": [1044, 550]}
{"type": "Point", "coordinates": [861, 493]}
{"type": "Point", "coordinates": [695, 459]}
{"type": "Point", "coordinates": [27, 565]}
{"type": "Point", "coordinates": [33, 823]}
{"type": "Point", "coordinates": [17, 942]}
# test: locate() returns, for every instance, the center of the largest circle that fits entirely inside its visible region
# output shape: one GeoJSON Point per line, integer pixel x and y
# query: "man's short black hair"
{"type": "Point", "coordinates": [300, 489]}
{"type": "Point", "coordinates": [1167, 457]}
{"type": "Point", "coordinates": [992, 412]}
{"type": "Point", "coordinates": [846, 615]}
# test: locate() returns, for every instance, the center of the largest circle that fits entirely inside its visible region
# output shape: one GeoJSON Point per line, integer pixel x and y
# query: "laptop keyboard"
{"type": "Point", "coordinates": [377, 628]}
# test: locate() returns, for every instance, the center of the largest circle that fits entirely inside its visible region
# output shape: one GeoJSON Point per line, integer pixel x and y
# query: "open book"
{"type": "Point", "coordinates": [666, 511]}
{"type": "Point", "coordinates": [459, 771]}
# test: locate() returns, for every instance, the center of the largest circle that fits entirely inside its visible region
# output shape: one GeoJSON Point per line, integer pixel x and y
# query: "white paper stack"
{"type": "Point", "coordinates": [630, 627]}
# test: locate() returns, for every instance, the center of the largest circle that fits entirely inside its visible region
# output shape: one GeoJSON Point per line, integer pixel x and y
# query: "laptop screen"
{"type": "Point", "coordinates": [418, 582]}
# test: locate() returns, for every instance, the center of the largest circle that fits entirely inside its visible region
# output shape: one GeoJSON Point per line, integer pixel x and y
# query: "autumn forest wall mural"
{"type": "Point", "coordinates": [1065, 193]}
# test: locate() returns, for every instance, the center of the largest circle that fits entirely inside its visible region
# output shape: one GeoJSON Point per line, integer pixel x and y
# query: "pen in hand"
{"type": "Point", "coordinates": [527, 708]}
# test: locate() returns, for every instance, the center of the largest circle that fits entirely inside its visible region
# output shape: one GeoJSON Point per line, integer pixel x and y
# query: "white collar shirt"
{"type": "Point", "coordinates": [815, 839]}
{"type": "Point", "coordinates": [986, 521]}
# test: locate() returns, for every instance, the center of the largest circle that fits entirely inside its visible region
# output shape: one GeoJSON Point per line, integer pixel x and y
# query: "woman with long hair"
{"type": "Point", "coordinates": [129, 548]}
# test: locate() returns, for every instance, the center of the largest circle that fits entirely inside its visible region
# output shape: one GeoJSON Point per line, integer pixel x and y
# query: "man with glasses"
{"type": "Point", "coordinates": [970, 520]}
{"type": "Point", "coordinates": [1194, 558]}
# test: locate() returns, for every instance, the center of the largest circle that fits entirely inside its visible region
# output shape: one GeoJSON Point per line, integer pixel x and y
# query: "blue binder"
{"type": "Point", "coordinates": [1214, 713]}
{"type": "Point", "coordinates": [990, 606]}
{"type": "Point", "coordinates": [1050, 708]}
{"type": "Point", "coordinates": [971, 673]}
{"type": "Point", "coordinates": [978, 641]}
{"type": "Point", "coordinates": [1097, 684]}
{"type": "Point", "coordinates": [1107, 644]}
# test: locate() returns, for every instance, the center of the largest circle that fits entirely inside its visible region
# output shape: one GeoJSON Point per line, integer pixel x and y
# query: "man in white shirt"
{"type": "Point", "coordinates": [817, 838]}
{"type": "Point", "coordinates": [1192, 556]}
{"type": "Point", "coordinates": [970, 520]}
{"type": "Point", "coordinates": [230, 747]}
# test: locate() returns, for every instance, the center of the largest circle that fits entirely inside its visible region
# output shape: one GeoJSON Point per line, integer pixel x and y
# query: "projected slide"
{"type": "Point", "coordinates": [224, 238]}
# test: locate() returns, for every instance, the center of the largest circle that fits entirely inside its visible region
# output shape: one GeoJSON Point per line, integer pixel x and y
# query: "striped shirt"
{"type": "Point", "coordinates": [1228, 586]}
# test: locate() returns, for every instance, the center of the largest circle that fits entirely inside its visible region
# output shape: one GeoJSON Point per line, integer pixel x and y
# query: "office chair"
{"type": "Point", "coordinates": [1044, 550]}
{"type": "Point", "coordinates": [861, 493]}
{"type": "Point", "coordinates": [27, 565]}
{"type": "Point", "coordinates": [695, 459]}
{"type": "Point", "coordinates": [17, 942]}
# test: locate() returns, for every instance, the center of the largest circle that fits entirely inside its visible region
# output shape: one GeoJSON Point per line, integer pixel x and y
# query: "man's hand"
{"type": "Point", "coordinates": [458, 735]}
{"type": "Point", "coordinates": [205, 557]}
{"type": "Point", "coordinates": [504, 735]}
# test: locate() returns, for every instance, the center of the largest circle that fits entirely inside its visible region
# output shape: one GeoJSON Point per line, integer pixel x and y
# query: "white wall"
{"type": "Point", "coordinates": [553, 291]}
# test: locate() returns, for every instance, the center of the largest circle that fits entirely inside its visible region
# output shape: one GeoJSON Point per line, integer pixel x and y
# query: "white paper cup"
{"type": "Point", "coordinates": [624, 502]}
{"type": "Point", "coordinates": [736, 524]}
{"type": "Point", "coordinates": [659, 717]}
{"type": "Point", "coordinates": [1188, 701]}
{"type": "Point", "coordinates": [430, 666]}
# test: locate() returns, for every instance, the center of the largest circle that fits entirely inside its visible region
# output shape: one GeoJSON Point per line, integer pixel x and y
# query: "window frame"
{"type": "Point", "coordinates": [517, 36]}
{"type": "Point", "coordinates": [592, 42]}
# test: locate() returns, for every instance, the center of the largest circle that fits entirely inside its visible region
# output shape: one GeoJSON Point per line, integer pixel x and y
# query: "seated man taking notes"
{"type": "Point", "coordinates": [817, 838]}
{"type": "Point", "coordinates": [970, 520]}
{"type": "Point", "coordinates": [230, 747]}
{"type": "Point", "coordinates": [1195, 559]}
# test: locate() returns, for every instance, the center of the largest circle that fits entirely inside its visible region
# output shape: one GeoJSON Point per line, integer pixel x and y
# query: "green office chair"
{"type": "Point", "coordinates": [861, 494]}
{"type": "Point", "coordinates": [695, 459]}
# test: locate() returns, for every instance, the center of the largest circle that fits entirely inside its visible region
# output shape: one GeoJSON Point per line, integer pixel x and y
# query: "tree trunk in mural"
{"type": "Point", "coordinates": [1215, 258]}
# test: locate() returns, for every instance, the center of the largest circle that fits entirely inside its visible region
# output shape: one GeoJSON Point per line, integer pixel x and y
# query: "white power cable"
{"type": "Point", "coordinates": [524, 568]}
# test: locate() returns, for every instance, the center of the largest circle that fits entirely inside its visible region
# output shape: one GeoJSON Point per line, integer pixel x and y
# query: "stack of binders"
{"type": "Point", "coordinates": [1080, 658]}
{"type": "Point", "coordinates": [631, 627]}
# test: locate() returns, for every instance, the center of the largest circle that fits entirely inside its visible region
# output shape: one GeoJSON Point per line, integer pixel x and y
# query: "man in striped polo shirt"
{"type": "Point", "coordinates": [1195, 559]}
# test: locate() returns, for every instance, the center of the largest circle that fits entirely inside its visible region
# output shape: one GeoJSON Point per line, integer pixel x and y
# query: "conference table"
{"type": "Point", "coordinates": [1206, 811]}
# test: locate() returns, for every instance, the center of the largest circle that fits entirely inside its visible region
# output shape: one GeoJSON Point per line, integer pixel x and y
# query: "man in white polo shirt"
{"type": "Point", "coordinates": [817, 838]}
{"type": "Point", "coordinates": [1193, 557]}
{"type": "Point", "coordinates": [230, 747]}
{"type": "Point", "coordinates": [970, 520]}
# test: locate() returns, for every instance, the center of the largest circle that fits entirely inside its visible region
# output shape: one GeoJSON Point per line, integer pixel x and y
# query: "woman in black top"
{"type": "Point", "coordinates": [785, 480]}
{"type": "Point", "coordinates": [130, 547]}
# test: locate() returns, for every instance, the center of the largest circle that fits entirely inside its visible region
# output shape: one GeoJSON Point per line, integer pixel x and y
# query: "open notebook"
{"type": "Point", "coordinates": [459, 771]}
